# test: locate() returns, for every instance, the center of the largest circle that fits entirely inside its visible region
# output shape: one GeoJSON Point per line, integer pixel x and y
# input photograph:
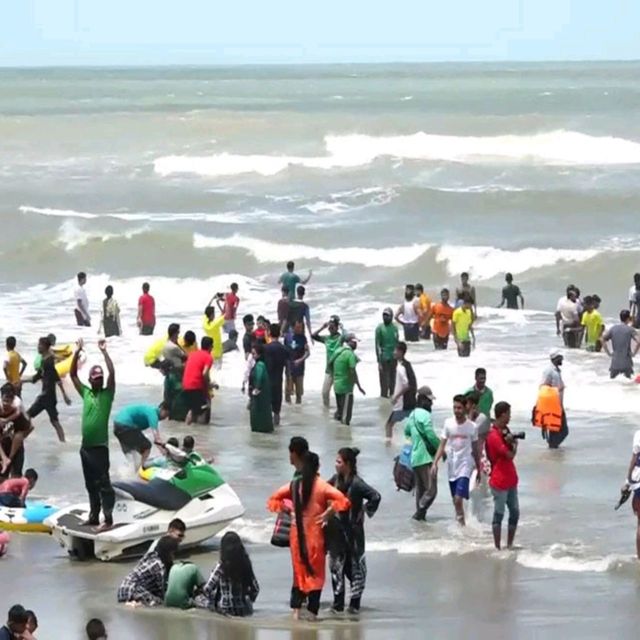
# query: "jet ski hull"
{"type": "Point", "coordinates": [137, 525]}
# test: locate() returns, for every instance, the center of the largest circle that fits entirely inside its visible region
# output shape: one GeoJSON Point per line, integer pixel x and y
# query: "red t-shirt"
{"type": "Point", "coordinates": [193, 376]}
{"type": "Point", "coordinates": [503, 470]}
{"type": "Point", "coordinates": [231, 302]}
{"type": "Point", "coordinates": [148, 304]}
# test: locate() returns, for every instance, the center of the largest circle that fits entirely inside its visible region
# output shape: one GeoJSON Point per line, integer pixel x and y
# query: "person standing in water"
{"type": "Point", "coordinates": [466, 290]}
{"type": "Point", "coordinates": [511, 294]}
{"type": "Point", "coordinates": [593, 324]}
{"type": "Point", "coordinates": [621, 336]}
{"type": "Point", "coordinates": [424, 446]}
{"type": "Point", "coordinates": [442, 312]}
{"type": "Point", "coordinates": [345, 533]}
{"type": "Point", "coordinates": [403, 401]}
{"type": "Point", "coordinates": [14, 365]}
{"type": "Point", "coordinates": [298, 347]}
{"type": "Point", "coordinates": [633, 290]}
{"type": "Point", "coordinates": [633, 477]}
{"type": "Point", "coordinates": [462, 320]}
{"type": "Point", "coordinates": [94, 452]}
{"type": "Point", "coordinates": [386, 341]}
{"type": "Point", "coordinates": [110, 318]}
{"type": "Point", "coordinates": [260, 407]}
{"type": "Point", "coordinates": [485, 394]}
{"type": "Point", "coordinates": [408, 315]}
{"type": "Point", "coordinates": [314, 503]}
{"type": "Point", "coordinates": [283, 309]}
{"type": "Point", "coordinates": [568, 318]}
{"type": "Point", "coordinates": [331, 344]}
{"type": "Point", "coordinates": [81, 311]}
{"type": "Point", "coordinates": [213, 329]}
{"type": "Point", "coordinates": [462, 454]}
{"type": "Point", "coordinates": [290, 280]}
{"type": "Point", "coordinates": [502, 448]}
{"type": "Point", "coordinates": [345, 377]}
{"type": "Point", "coordinates": [298, 449]}
{"type": "Point", "coordinates": [230, 308]}
{"type": "Point", "coordinates": [276, 357]}
{"type": "Point", "coordinates": [196, 382]}
{"type": "Point", "coordinates": [552, 377]}
{"type": "Point", "coordinates": [424, 305]}
{"type": "Point", "coordinates": [146, 311]}
{"type": "Point", "coordinates": [47, 400]}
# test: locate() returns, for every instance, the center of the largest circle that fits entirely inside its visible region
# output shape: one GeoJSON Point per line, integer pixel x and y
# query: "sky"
{"type": "Point", "coordinates": [160, 32]}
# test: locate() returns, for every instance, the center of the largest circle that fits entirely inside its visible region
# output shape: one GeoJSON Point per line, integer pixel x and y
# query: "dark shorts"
{"type": "Point", "coordinates": [21, 424]}
{"type": "Point", "coordinates": [439, 342]}
{"type": "Point", "coordinates": [44, 403]}
{"type": "Point", "coordinates": [147, 329]}
{"type": "Point", "coordinates": [131, 439]}
{"type": "Point", "coordinates": [80, 319]}
{"type": "Point", "coordinates": [196, 401]}
{"type": "Point", "coordinates": [398, 416]}
{"type": "Point", "coordinates": [412, 332]}
{"type": "Point", "coordinates": [614, 373]}
{"type": "Point", "coordinates": [464, 349]}
{"type": "Point", "coordinates": [459, 487]}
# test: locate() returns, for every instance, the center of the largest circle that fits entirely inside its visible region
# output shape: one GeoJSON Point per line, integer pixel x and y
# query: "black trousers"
{"type": "Point", "coordinates": [313, 600]}
{"type": "Point", "coordinates": [387, 373]}
{"type": "Point", "coordinates": [95, 468]}
{"type": "Point", "coordinates": [555, 438]}
{"type": "Point", "coordinates": [276, 396]}
{"type": "Point", "coordinates": [344, 411]}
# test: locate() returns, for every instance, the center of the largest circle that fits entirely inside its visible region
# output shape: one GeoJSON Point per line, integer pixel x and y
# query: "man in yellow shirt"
{"type": "Point", "coordinates": [14, 364]}
{"type": "Point", "coordinates": [463, 327]}
{"type": "Point", "coordinates": [424, 308]}
{"type": "Point", "coordinates": [213, 328]}
{"type": "Point", "coordinates": [593, 323]}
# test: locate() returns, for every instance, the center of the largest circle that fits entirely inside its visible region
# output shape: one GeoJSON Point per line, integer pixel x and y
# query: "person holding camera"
{"type": "Point", "coordinates": [501, 448]}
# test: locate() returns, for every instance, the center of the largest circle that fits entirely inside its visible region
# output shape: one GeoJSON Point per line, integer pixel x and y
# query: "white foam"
{"type": "Point", "coordinates": [559, 557]}
{"type": "Point", "coordinates": [265, 251]}
{"type": "Point", "coordinates": [352, 200]}
{"type": "Point", "coordinates": [483, 263]}
{"type": "Point", "coordinates": [71, 237]}
{"type": "Point", "coordinates": [555, 148]}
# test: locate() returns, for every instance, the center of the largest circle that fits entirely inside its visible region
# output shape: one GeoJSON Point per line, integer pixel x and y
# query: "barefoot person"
{"type": "Point", "coordinates": [94, 452]}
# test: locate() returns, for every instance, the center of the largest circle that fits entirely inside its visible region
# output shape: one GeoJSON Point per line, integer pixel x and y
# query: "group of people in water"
{"type": "Point", "coordinates": [323, 518]}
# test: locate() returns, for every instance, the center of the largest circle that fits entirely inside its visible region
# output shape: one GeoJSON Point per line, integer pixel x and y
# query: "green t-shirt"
{"type": "Point", "coordinates": [486, 400]}
{"type": "Point", "coordinates": [184, 577]}
{"type": "Point", "coordinates": [96, 408]}
{"type": "Point", "coordinates": [386, 341]}
{"type": "Point", "coordinates": [331, 344]}
{"type": "Point", "coordinates": [291, 281]}
{"type": "Point", "coordinates": [344, 366]}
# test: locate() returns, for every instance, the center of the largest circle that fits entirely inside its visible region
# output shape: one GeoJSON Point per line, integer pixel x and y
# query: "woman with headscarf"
{"type": "Point", "coordinates": [147, 582]}
{"type": "Point", "coordinates": [346, 540]}
{"type": "Point", "coordinates": [314, 502]}
{"type": "Point", "coordinates": [110, 320]}
{"type": "Point", "coordinates": [260, 389]}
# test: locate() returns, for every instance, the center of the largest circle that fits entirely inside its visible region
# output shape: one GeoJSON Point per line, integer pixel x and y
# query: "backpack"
{"type": "Point", "coordinates": [403, 474]}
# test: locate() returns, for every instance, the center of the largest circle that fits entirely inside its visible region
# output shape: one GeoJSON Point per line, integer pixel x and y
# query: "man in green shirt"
{"type": "Point", "coordinates": [94, 451]}
{"type": "Point", "coordinates": [185, 580]}
{"type": "Point", "coordinates": [331, 344]}
{"type": "Point", "coordinates": [386, 339]}
{"type": "Point", "coordinates": [290, 280]}
{"type": "Point", "coordinates": [345, 377]}
{"type": "Point", "coordinates": [485, 394]}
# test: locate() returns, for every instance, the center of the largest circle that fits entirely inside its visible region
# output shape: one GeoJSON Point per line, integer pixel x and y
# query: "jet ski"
{"type": "Point", "coordinates": [194, 492]}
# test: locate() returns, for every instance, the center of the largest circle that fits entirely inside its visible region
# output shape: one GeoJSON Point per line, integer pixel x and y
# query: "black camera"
{"type": "Point", "coordinates": [220, 296]}
{"type": "Point", "coordinates": [517, 435]}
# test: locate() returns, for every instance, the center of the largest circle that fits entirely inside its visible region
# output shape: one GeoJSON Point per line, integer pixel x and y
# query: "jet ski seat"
{"type": "Point", "coordinates": [156, 493]}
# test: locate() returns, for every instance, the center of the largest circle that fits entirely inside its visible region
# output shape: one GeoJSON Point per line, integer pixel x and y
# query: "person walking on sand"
{"type": "Point", "coordinates": [146, 311]}
{"type": "Point", "coordinates": [97, 401]}
{"type": "Point", "coordinates": [290, 280]}
{"type": "Point", "coordinates": [386, 341]}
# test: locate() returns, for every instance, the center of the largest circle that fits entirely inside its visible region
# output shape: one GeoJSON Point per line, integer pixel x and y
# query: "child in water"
{"type": "Point", "coordinates": [232, 587]}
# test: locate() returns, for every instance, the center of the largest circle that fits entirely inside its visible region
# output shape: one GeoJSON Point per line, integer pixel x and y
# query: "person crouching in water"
{"type": "Point", "coordinates": [345, 532]}
{"type": "Point", "coordinates": [232, 587]}
{"type": "Point", "coordinates": [314, 502]}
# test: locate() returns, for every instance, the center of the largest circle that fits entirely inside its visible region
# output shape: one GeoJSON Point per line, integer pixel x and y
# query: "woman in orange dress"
{"type": "Point", "coordinates": [314, 502]}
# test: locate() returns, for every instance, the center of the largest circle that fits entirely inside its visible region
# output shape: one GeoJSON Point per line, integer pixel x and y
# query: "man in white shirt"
{"type": "Point", "coordinates": [403, 401]}
{"type": "Point", "coordinates": [461, 436]}
{"type": "Point", "coordinates": [82, 302]}
{"type": "Point", "coordinates": [633, 478]}
{"type": "Point", "coordinates": [568, 318]}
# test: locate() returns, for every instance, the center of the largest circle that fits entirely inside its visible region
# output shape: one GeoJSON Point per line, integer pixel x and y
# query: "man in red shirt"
{"type": "Point", "coordinates": [146, 312]}
{"type": "Point", "coordinates": [501, 449]}
{"type": "Point", "coordinates": [196, 382]}
{"type": "Point", "coordinates": [230, 308]}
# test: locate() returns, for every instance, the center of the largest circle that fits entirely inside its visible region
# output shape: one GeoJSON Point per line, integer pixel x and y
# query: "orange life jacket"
{"type": "Point", "coordinates": [548, 410]}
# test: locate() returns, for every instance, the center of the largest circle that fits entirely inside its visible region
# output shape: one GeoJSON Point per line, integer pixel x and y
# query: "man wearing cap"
{"type": "Point", "coordinates": [552, 377]}
{"type": "Point", "coordinates": [94, 451]}
{"type": "Point", "coordinates": [424, 445]}
{"type": "Point", "coordinates": [331, 345]}
{"type": "Point", "coordinates": [386, 339]}
{"type": "Point", "coordinates": [345, 377]}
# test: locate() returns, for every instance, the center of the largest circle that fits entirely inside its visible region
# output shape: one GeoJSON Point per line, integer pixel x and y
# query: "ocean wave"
{"type": "Point", "coordinates": [264, 251]}
{"type": "Point", "coordinates": [71, 237]}
{"type": "Point", "coordinates": [555, 148]}
{"type": "Point", "coordinates": [352, 200]}
{"type": "Point", "coordinates": [562, 557]}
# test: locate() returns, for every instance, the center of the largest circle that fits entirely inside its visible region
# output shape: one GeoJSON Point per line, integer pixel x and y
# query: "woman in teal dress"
{"type": "Point", "coordinates": [260, 390]}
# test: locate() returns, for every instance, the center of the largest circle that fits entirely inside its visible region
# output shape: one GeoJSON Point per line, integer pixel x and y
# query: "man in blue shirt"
{"type": "Point", "coordinates": [132, 420]}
